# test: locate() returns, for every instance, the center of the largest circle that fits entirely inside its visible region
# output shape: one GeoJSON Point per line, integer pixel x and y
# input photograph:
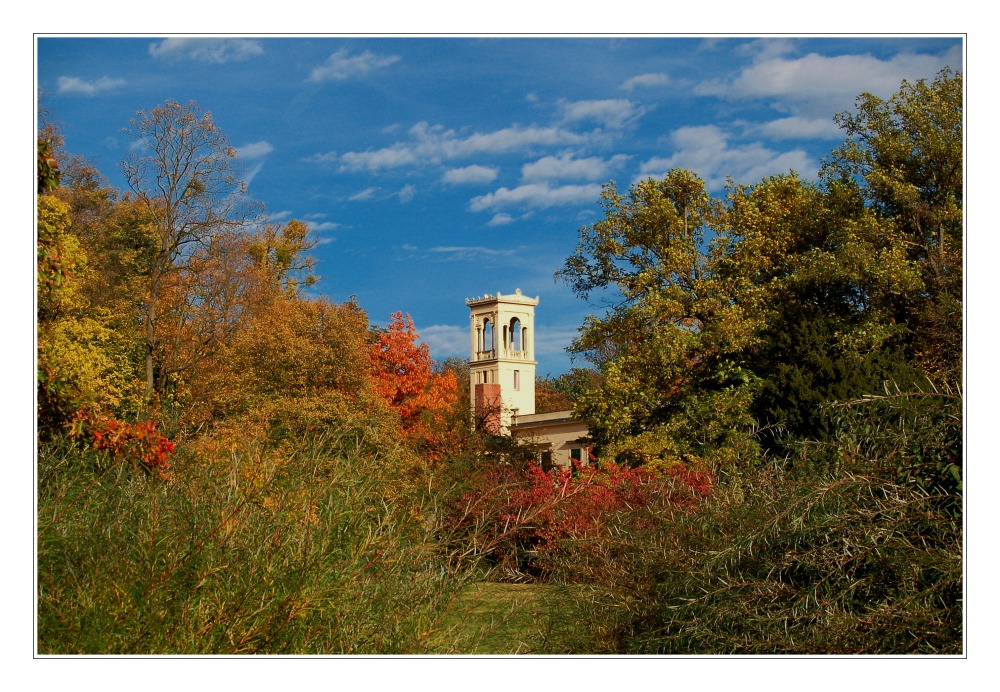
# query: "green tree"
{"type": "Point", "coordinates": [671, 389]}
{"type": "Point", "coordinates": [906, 155]}
{"type": "Point", "coordinates": [817, 276]}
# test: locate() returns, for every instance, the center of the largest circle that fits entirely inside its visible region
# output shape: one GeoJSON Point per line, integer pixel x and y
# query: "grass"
{"type": "Point", "coordinates": [491, 618]}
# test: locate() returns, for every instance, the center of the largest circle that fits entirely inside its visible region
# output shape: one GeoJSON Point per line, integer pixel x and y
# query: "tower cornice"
{"type": "Point", "coordinates": [517, 298]}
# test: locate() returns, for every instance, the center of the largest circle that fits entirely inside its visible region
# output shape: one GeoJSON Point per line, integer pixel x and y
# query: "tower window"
{"type": "Point", "coordinates": [516, 342]}
{"type": "Point", "coordinates": [487, 335]}
{"type": "Point", "coordinates": [517, 379]}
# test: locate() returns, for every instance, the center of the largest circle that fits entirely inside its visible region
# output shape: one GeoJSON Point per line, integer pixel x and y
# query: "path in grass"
{"type": "Point", "coordinates": [504, 619]}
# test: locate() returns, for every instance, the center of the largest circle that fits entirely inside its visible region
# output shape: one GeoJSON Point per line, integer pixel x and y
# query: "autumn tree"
{"type": "Point", "coordinates": [283, 254]}
{"type": "Point", "coordinates": [404, 377]}
{"type": "Point", "coordinates": [84, 359]}
{"type": "Point", "coordinates": [733, 315]}
{"type": "Point", "coordinates": [816, 276]}
{"type": "Point", "coordinates": [187, 177]}
{"type": "Point", "coordinates": [561, 392]}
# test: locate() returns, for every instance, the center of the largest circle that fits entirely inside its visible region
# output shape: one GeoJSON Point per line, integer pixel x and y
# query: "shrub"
{"type": "Point", "coordinates": [523, 519]}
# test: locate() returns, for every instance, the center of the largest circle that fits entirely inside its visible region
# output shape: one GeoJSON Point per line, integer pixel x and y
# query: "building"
{"type": "Point", "coordinates": [502, 381]}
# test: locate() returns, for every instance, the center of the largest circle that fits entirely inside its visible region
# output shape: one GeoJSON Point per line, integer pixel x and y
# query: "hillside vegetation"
{"type": "Point", "coordinates": [229, 465]}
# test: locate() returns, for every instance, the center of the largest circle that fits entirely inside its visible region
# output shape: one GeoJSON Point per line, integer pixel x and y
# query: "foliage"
{"type": "Point", "coordinates": [404, 377]}
{"type": "Point", "coordinates": [856, 548]}
{"type": "Point", "coordinates": [187, 177]}
{"type": "Point", "coordinates": [561, 393]}
{"type": "Point", "coordinates": [47, 167]}
{"type": "Point", "coordinates": [746, 314]}
{"type": "Point", "coordinates": [140, 443]}
{"type": "Point", "coordinates": [906, 155]}
{"type": "Point", "coordinates": [522, 518]}
{"type": "Point", "coordinates": [670, 352]}
{"type": "Point", "coordinates": [59, 258]}
{"type": "Point", "coordinates": [282, 254]}
{"type": "Point", "coordinates": [84, 360]}
{"type": "Point", "coordinates": [308, 557]}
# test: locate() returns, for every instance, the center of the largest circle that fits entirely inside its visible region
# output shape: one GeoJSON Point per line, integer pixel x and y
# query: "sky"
{"type": "Point", "coordinates": [435, 169]}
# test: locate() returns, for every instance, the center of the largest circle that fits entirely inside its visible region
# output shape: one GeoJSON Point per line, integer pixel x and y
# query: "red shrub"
{"type": "Point", "coordinates": [140, 443]}
{"type": "Point", "coordinates": [521, 517]}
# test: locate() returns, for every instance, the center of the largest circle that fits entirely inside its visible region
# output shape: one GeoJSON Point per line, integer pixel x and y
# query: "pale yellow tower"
{"type": "Point", "coordinates": [502, 361]}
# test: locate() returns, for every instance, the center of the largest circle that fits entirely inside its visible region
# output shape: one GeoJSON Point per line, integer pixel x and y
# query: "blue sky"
{"type": "Point", "coordinates": [435, 169]}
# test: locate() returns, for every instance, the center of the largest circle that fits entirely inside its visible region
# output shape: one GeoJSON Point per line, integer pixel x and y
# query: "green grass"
{"type": "Point", "coordinates": [490, 618]}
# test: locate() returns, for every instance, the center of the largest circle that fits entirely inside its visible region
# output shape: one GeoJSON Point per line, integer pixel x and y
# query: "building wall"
{"type": "Point", "coordinates": [555, 433]}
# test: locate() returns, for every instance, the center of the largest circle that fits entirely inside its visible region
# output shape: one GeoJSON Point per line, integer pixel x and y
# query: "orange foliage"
{"type": "Point", "coordinates": [404, 378]}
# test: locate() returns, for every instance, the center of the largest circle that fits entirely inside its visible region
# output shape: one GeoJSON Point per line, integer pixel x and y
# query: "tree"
{"type": "Point", "coordinates": [671, 391]}
{"type": "Point", "coordinates": [561, 393]}
{"type": "Point", "coordinates": [404, 377]}
{"type": "Point", "coordinates": [906, 155]}
{"type": "Point", "coordinates": [187, 176]}
{"type": "Point", "coordinates": [818, 277]}
{"type": "Point", "coordinates": [83, 359]}
{"type": "Point", "coordinates": [282, 254]}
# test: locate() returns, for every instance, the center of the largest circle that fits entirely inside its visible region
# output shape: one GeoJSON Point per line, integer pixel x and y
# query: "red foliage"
{"type": "Point", "coordinates": [140, 443]}
{"type": "Point", "coordinates": [404, 377]}
{"type": "Point", "coordinates": [524, 516]}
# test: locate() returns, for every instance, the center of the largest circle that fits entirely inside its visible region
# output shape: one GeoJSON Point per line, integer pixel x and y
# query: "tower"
{"type": "Point", "coordinates": [502, 360]}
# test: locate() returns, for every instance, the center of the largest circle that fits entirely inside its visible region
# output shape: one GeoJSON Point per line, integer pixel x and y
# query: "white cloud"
{"type": "Point", "coordinates": [554, 341]}
{"type": "Point", "coordinates": [324, 159]}
{"type": "Point", "coordinates": [817, 86]}
{"type": "Point", "coordinates": [363, 195]}
{"type": "Point", "coordinates": [613, 113]}
{"type": "Point", "coordinates": [501, 219]}
{"type": "Point", "coordinates": [341, 65]}
{"type": "Point", "coordinates": [445, 340]}
{"type": "Point", "coordinates": [566, 166]}
{"type": "Point", "coordinates": [435, 143]}
{"type": "Point", "coordinates": [767, 48]}
{"type": "Point", "coordinates": [407, 193]}
{"type": "Point", "coordinates": [75, 85]}
{"type": "Point", "coordinates": [391, 157]}
{"type": "Point", "coordinates": [469, 251]}
{"type": "Point", "coordinates": [536, 195]}
{"type": "Point", "coordinates": [650, 79]}
{"type": "Point", "coordinates": [470, 174]}
{"type": "Point", "coordinates": [210, 50]}
{"type": "Point", "coordinates": [323, 226]}
{"type": "Point", "coordinates": [797, 127]}
{"type": "Point", "coordinates": [707, 151]}
{"type": "Point", "coordinates": [252, 173]}
{"type": "Point", "coordinates": [255, 150]}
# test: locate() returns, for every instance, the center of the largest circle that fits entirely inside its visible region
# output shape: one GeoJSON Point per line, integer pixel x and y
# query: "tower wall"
{"type": "Point", "coordinates": [502, 351]}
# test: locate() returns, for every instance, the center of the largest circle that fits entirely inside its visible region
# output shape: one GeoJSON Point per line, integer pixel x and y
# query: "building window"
{"type": "Point", "coordinates": [517, 380]}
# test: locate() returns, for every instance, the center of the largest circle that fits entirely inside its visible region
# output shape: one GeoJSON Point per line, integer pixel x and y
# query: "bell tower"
{"type": "Point", "coordinates": [502, 360]}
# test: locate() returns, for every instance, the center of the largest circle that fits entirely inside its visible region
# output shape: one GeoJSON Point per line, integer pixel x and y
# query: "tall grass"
{"type": "Point", "coordinates": [852, 548]}
{"type": "Point", "coordinates": [318, 550]}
